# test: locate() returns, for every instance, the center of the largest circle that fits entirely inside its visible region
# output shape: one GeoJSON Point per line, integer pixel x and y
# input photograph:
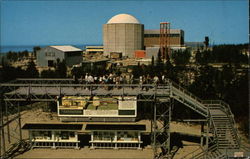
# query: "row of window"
{"type": "Point", "coordinates": [47, 135]}
{"type": "Point", "coordinates": [121, 136]}
{"type": "Point", "coordinates": [50, 54]}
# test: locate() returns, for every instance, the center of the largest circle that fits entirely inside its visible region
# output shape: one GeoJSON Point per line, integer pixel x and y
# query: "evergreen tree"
{"type": "Point", "coordinates": [61, 69]}
{"type": "Point", "coordinates": [31, 71]}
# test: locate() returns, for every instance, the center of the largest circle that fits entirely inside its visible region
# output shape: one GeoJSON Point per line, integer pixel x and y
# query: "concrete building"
{"type": "Point", "coordinates": [123, 33]}
{"type": "Point", "coordinates": [47, 57]}
{"type": "Point", "coordinates": [152, 38]}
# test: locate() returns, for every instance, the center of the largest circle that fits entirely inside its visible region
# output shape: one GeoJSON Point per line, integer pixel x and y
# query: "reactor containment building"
{"type": "Point", "coordinates": [124, 34]}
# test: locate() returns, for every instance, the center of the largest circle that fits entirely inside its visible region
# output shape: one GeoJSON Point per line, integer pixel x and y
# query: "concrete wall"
{"type": "Point", "coordinates": [125, 38]}
{"type": "Point", "coordinates": [48, 53]}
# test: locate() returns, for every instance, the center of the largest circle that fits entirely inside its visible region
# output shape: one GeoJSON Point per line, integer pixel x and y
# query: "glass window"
{"type": "Point", "coordinates": [42, 135]}
{"type": "Point", "coordinates": [127, 135]}
{"type": "Point", "coordinates": [64, 135]}
{"type": "Point", "coordinates": [104, 135]}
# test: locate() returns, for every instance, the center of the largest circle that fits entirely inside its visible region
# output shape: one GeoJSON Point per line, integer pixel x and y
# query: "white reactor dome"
{"type": "Point", "coordinates": [123, 18]}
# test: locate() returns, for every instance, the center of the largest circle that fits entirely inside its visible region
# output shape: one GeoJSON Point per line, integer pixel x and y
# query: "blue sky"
{"type": "Point", "coordinates": [38, 22]}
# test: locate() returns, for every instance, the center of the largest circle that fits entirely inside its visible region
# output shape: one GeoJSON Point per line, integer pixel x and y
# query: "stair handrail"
{"type": "Point", "coordinates": [184, 90]}
{"type": "Point", "coordinates": [189, 94]}
{"type": "Point", "coordinates": [226, 108]}
{"type": "Point", "coordinates": [231, 118]}
{"type": "Point", "coordinates": [214, 130]}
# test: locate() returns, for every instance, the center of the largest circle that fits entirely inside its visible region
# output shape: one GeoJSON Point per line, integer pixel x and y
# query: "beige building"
{"type": "Point", "coordinates": [123, 33]}
{"type": "Point", "coordinates": [152, 38]}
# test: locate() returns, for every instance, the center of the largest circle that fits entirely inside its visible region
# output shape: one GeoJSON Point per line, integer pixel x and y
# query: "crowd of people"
{"type": "Point", "coordinates": [120, 79]}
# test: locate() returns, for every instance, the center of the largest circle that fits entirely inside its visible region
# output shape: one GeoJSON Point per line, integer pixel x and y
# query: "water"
{"type": "Point", "coordinates": [16, 48]}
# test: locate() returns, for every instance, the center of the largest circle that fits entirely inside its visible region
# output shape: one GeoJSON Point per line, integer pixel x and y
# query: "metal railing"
{"type": "Point", "coordinates": [196, 102]}
{"type": "Point", "coordinates": [225, 108]}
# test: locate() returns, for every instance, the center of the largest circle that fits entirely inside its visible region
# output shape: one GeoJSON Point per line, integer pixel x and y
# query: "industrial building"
{"type": "Point", "coordinates": [152, 38]}
{"type": "Point", "coordinates": [47, 57]}
{"type": "Point", "coordinates": [123, 33]}
{"type": "Point", "coordinates": [94, 49]}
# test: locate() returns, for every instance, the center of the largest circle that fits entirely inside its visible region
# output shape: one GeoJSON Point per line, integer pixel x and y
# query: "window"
{"type": "Point", "coordinates": [64, 135]}
{"type": "Point", "coordinates": [104, 135]}
{"type": "Point", "coordinates": [41, 135]}
{"type": "Point", "coordinates": [50, 54]}
{"type": "Point", "coordinates": [70, 54]}
{"type": "Point", "coordinates": [72, 134]}
{"type": "Point", "coordinates": [127, 136]}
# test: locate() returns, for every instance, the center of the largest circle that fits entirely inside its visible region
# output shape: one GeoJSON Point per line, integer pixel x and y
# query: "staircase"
{"type": "Point", "coordinates": [224, 125]}
{"type": "Point", "coordinates": [188, 99]}
{"type": "Point", "coordinates": [222, 120]}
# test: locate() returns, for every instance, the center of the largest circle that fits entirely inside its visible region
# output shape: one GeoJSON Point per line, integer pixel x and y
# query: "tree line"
{"type": "Point", "coordinates": [228, 83]}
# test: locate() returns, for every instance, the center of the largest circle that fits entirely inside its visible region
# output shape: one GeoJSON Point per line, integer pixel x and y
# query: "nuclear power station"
{"type": "Point", "coordinates": [123, 33]}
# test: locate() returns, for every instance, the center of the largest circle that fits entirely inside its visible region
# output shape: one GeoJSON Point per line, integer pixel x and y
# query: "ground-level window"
{"type": "Point", "coordinates": [127, 136]}
{"type": "Point", "coordinates": [42, 135]}
{"type": "Point", "coordinates": [65, 135]}
{"type": "Point", "coordinates": [104, 135]}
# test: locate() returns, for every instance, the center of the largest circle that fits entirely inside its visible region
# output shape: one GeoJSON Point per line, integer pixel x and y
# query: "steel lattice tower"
{"type": "Point", "coordinates": [165, 40]}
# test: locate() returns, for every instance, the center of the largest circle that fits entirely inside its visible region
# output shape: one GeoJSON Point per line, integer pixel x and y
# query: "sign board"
{"type": "Point", "coordinates": [127, 104]}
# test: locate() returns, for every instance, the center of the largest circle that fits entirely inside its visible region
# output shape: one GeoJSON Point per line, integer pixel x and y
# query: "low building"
{"type": "Point", "coordinates": [94, 49]}
{"type": "Point", "coordinates": [47, 57]}
{"type": "Point", "coordinates": [53, 135]}
{"type": "Point", "coordinates": [116, 135]}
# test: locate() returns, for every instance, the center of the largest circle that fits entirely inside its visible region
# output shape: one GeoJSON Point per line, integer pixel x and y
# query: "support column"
{"type": "Point", "coordinates": [139, 140]}
{"type": "Point", "coordinates": [115, 140]}
{"type": "Point", "coordinates": [53, 139]}
{"type": "Point", "coordinates": [202, 134]}
{"type": "Point", "coordinates": [92, 139]}
{"type": "Point", "coordinates": [169, 120]}
{"type": "Point", "coordinates": [207, 137]}
{"type": "Point", "coordinates": [19, 121]}
{"type": "Point", "coordinates": [2, 132]}
{"type": "Point", "coordinates": [154, 133]}
{"type": "Point", "coordinates": [7, 119]}
{"type": "Point", "coordinates": [76, 137]}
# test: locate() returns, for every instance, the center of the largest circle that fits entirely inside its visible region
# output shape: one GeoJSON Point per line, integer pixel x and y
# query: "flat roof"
{"type": "Point", "coordinates": [115, 127]}
{"type": "Point", "coordinates": [91, 47]}
{"type": "Point", "coordinates": [157, 31]}
{"type": "Point", "coordinates": [65, 48]}
{"type": "Point", "coordinates": [52, 126]}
